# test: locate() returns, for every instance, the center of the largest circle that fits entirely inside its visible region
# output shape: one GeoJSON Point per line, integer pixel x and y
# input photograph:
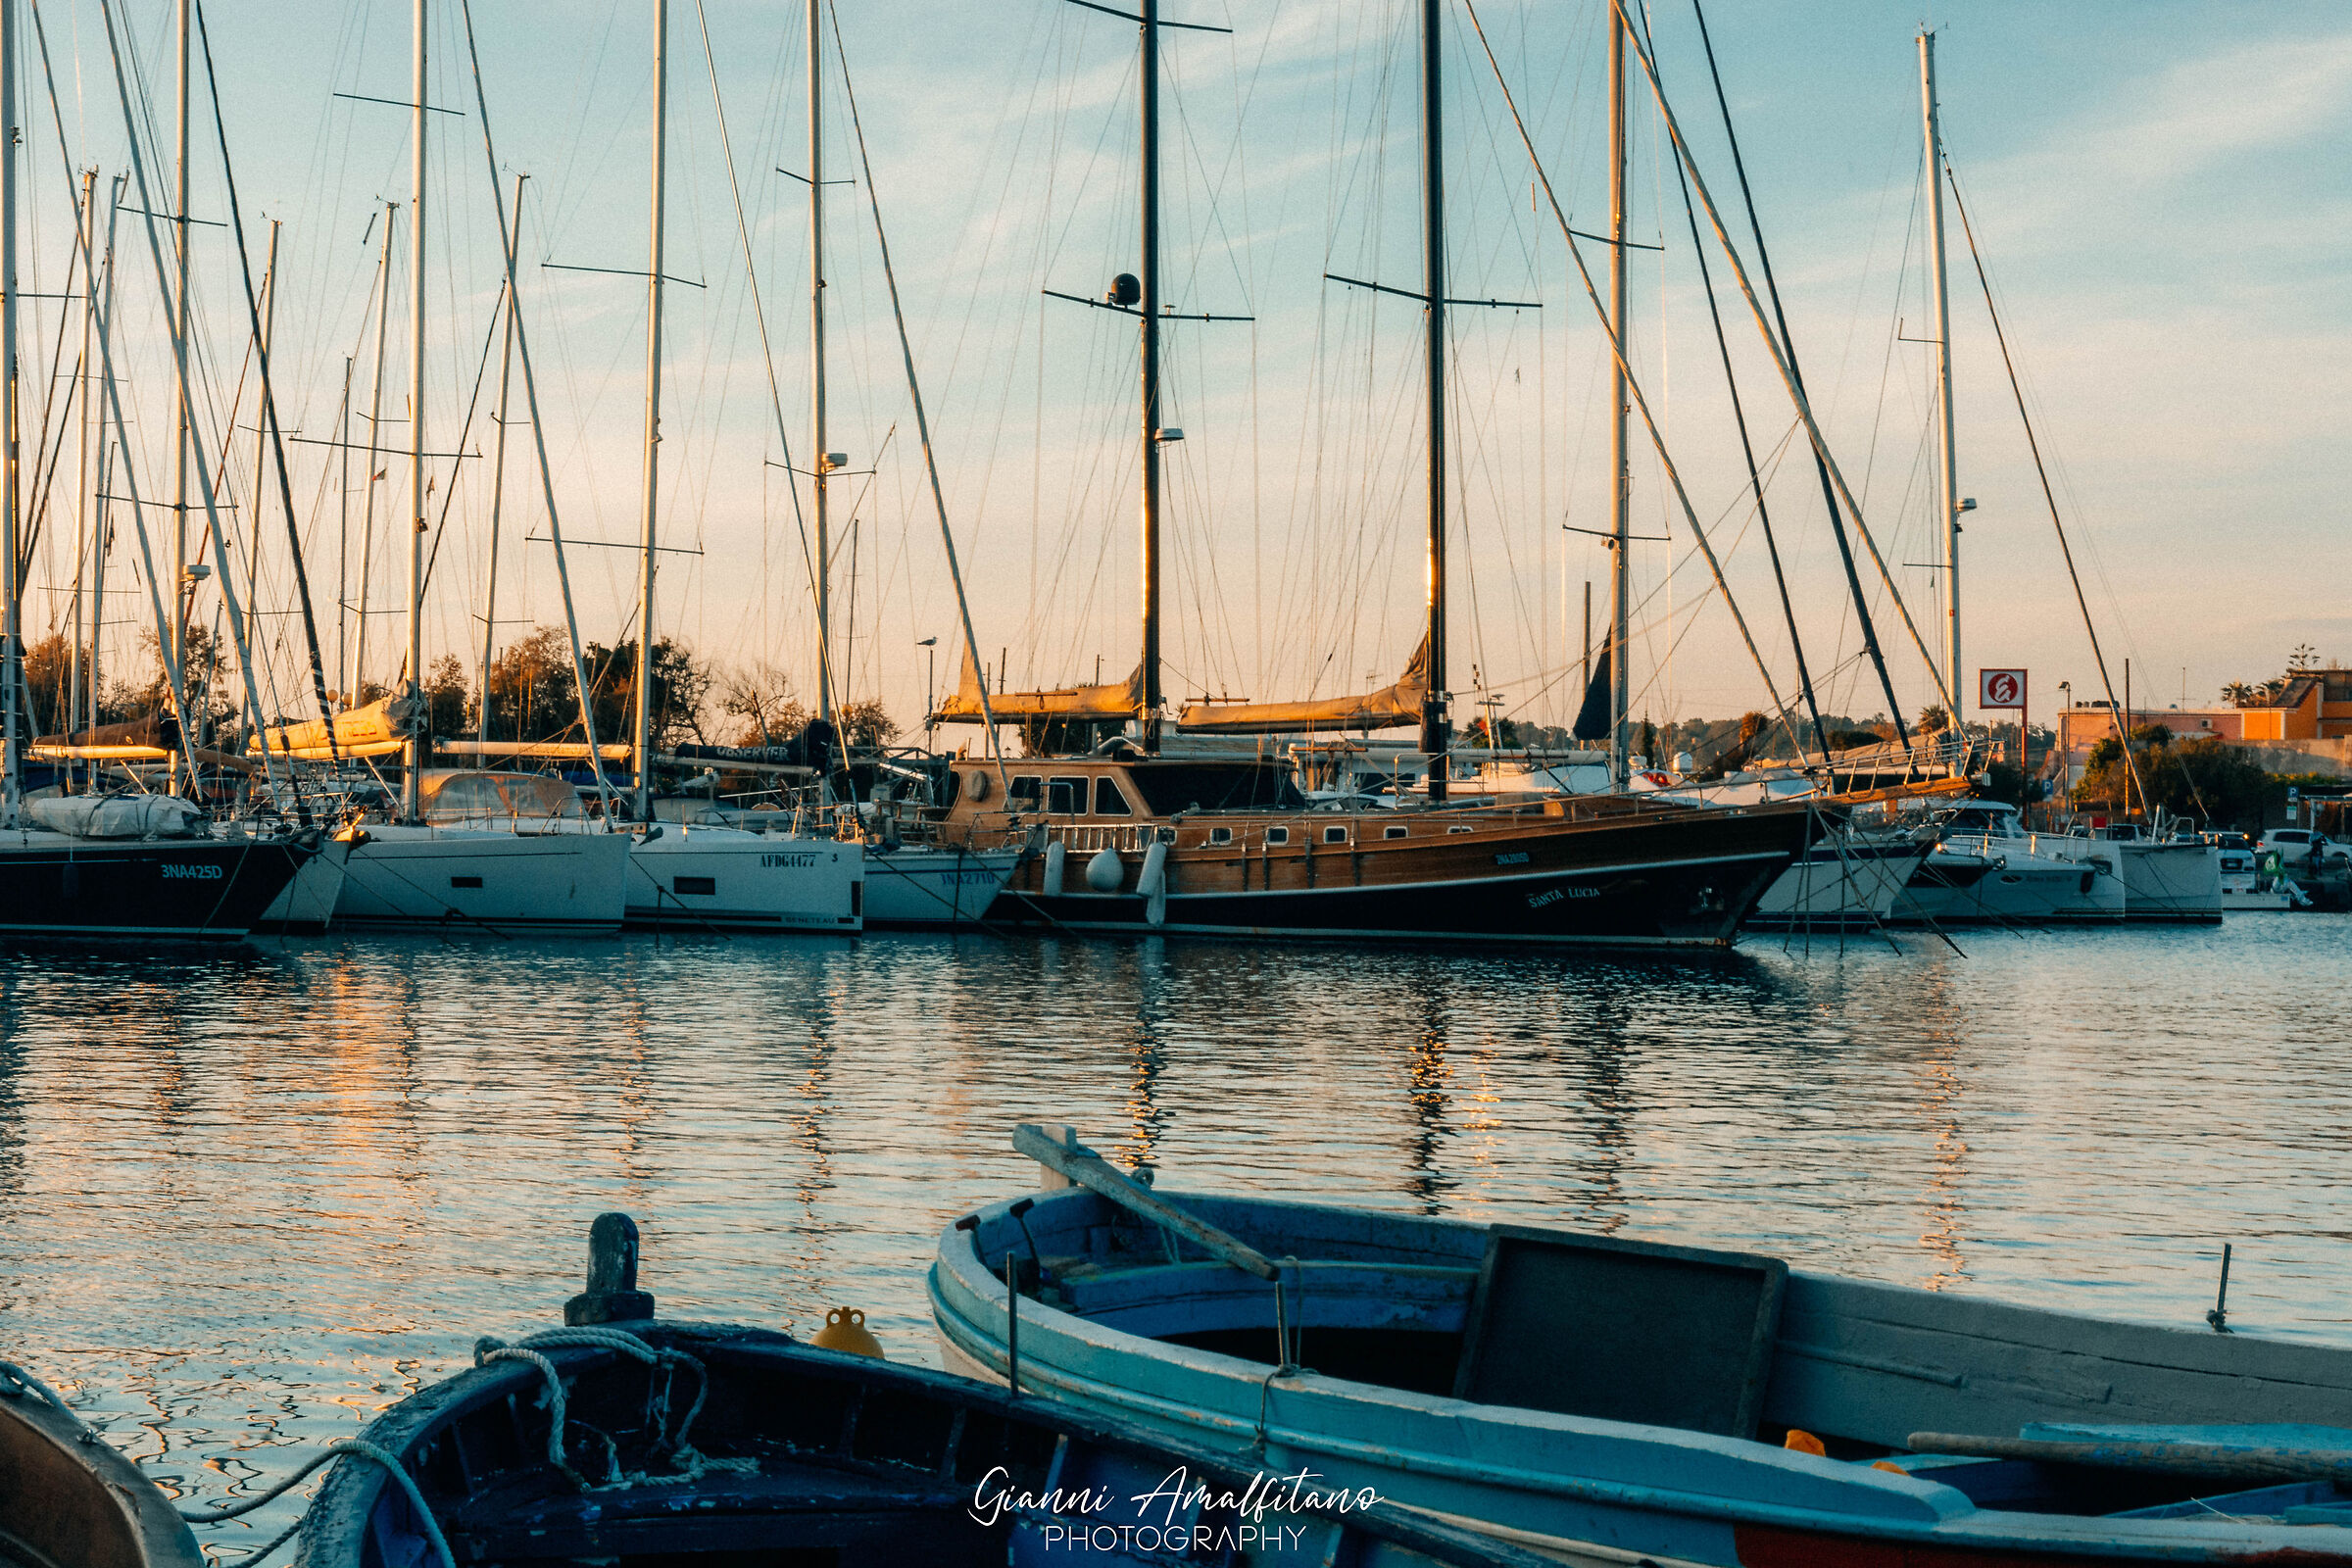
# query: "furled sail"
{"type": "Point", "coordinates": [1121, 699]}
{"type": "Point", "coordinates": [1390, 707]}
{"type": "Point", "coordinates": [151, 737]}
{"type": "Point", "coordinates": [378, 730]}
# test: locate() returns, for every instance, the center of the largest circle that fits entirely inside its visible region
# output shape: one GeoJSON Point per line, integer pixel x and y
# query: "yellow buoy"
{"type": "Point", "coordinates": [1806, 1442]}
{"type": "Point", "coordinates": [845, 1330]}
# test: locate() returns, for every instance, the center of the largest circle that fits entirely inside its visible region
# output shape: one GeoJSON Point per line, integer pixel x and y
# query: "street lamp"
{"type": "Point", "coordinates": [930, 644]}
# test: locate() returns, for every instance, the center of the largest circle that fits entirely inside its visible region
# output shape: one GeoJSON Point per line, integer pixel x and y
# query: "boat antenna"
{"type": "Point", "coordinates": [914, 392]}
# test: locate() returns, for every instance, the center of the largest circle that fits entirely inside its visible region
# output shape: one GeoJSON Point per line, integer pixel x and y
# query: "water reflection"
{"type": "Point", "coordinates": [247, 1198]}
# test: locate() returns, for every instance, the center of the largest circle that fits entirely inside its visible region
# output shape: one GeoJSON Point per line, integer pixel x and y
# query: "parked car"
{"type": "Point", "coordinates": [2303, 848]}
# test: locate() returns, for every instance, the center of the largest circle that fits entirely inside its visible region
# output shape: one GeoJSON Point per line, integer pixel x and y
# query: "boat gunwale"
{"type": "Point", "coordinates": [347, 1502]}
{"type": "Point", "coordinates": [1959, 1521]}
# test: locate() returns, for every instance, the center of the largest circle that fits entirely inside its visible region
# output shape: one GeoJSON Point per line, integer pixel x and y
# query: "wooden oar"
{"type": "Point", "coordinates": [1092, 1173]}
{"type": "Point", "coordinates": [2214, 1460]}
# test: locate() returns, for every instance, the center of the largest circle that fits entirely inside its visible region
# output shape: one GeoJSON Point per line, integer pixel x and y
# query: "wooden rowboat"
{"type": "Point", "coordinates": [1612, 1402]}
{"type": "Point", "coordinates": [68, 1500]}
{"type": "Point", "coordinates": [622, 1439]}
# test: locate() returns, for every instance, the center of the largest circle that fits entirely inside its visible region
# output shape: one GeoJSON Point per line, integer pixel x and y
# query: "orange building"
{"type": "Point", "coordinates": [2308, 705]}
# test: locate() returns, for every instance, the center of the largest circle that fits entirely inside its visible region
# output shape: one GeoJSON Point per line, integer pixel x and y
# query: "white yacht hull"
{"type": "Point", "coordinates": [308, 904]}
{"type": "Point", "coordinates": [2176, 881]}
{"type": "Point", "coordinates": [689, 878]}
{"type": "Point", "coordinates": [934, 885]}
{"type": "Point", "coordinates": [510, 883]}
{"type": "Point", "coordinates": [1842, 883]}
{"type": "Point", "coordinates": [2003, 881]}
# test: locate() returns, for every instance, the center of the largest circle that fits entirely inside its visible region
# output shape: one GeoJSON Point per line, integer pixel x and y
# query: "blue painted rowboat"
{"type": "Point", "coordinates": [621, 1442]}
{"type": "Point", "coordinates": [1408, 1353]}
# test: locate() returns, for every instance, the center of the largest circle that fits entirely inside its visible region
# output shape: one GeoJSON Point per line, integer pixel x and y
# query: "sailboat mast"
{"type": "Point", "coordinates": [1620, 473]}
{"type": "Point", "coordinates": [12, 588]}
{"type": "Point", "coordinates": [413, 755]}
{"type": "Point", "coordinates": [1946, 463]}
{"type": "Point", "coordinates": [644, 730]}
{"type": "Point", "coordinates": [498, 490]}
{"type": "Point", "coordinates": [356, 674]}
{"type": "Point", "coordinates": [261, 436]}
{"type": "Point", "coordinates": [1434, 738]}
{"type": "Point", "coordinates": [180, 340]}
{"type": "Point", "coordinates": [1147, 718]}
{"type": "Point", "coordinates": [83, 523]}
{"type": "Point", "coordinates": [822, 460]}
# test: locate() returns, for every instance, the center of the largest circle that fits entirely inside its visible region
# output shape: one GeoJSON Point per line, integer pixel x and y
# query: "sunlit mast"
{"type": "Point", "coordinates": [1620, 474]}
{"type": "Point", "coordinates": [1435, 740]}
{"type": "Point", "coordinates": [412, 755]}
{"type": "Point", "coordinates": [821, 459]}
{"type": "Point", "coordinates": [1946, 486]}
{"type": "Point", "coordinates": [644, 718]}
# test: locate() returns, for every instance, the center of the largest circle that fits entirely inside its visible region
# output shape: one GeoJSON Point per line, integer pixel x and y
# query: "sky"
{"type": "Point", "coordinates": [2160, 192]}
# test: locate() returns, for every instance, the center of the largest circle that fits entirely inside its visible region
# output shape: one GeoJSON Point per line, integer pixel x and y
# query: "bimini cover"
{"type": "Point", "coordinates": [456, 794]}
{"type": "Point", "coordinates": [122, 817]}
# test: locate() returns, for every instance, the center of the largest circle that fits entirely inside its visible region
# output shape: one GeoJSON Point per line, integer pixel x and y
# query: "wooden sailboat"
{"type": "Point", "coordinates": [1226, 845]}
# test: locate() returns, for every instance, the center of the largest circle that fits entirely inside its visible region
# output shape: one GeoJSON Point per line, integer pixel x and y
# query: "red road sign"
{"type": "Point", "coordinates": [2001, 688]}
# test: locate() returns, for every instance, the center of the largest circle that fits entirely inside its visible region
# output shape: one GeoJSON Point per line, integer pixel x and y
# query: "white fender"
{"type": "Point", "coordinates": [1104, 873]}
{"type": "Point", "coordinates": [1056, 855]}
{"type": "Point", "coordinates": [1153, 884]}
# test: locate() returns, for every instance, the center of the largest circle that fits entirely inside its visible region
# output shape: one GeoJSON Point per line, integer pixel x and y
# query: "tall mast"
{"type": "Point", "coordinates": [85, 524]}
{"type": "Point", "coordinates": [357, 675]}
{"type": "Point", "coordinates": [1945, 472]}
{"type": "Point", "coordinates": [821, 459]}
{"type": "Point", "coordinates": [412, 758]}
{"type": "Point", "coordinates": [1148, 718]}
{"type": "Point", "coordinates": [101, 369]}
{"type": "Point", "coordinates": [644, 730]}
{"type": "Point", "coordinates": [1433, 739]}
{"type": "Point", "coordinates": [261, 434]}
{"type": "Point", "coordinates": [179, 338]}
{"type": "Point", "coordinates": [12, 589]}
{"type": "Point", "coordinates": [1620, 474]}
{"type": "Point", "coordinates": [498, 491]}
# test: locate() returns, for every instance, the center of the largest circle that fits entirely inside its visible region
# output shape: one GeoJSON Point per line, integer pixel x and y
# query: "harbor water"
{"type": "Point", "coordinates": [249, 1198]}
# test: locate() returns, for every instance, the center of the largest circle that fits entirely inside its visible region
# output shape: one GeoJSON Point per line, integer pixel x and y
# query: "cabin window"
{"type": "Point", "coordinates": [464, 881]}
{"type": "Point", "coordinates": [1066, 796]}
{"type": "Point", "coordinates": [1027, 790]}
{"type": "Point", "coordinates": [1393, 832]}
{"type": "Point", "coordinates": [1459, 828]}
{"type": "Point", "coordinates": [1220, 835]}
{"type": "Point", "coordinates": [1335, 835]}
{"type": "Point", "coordinates": [1278, 835]}
{"type": "Point", "coordinates": [705, 885]}
{"type": "Point", "coordinates": [1108, 802]}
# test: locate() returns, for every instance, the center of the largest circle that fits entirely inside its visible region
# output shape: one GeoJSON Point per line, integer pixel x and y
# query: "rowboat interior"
{"type": "Point", "coordinates": [1387, 1331]}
